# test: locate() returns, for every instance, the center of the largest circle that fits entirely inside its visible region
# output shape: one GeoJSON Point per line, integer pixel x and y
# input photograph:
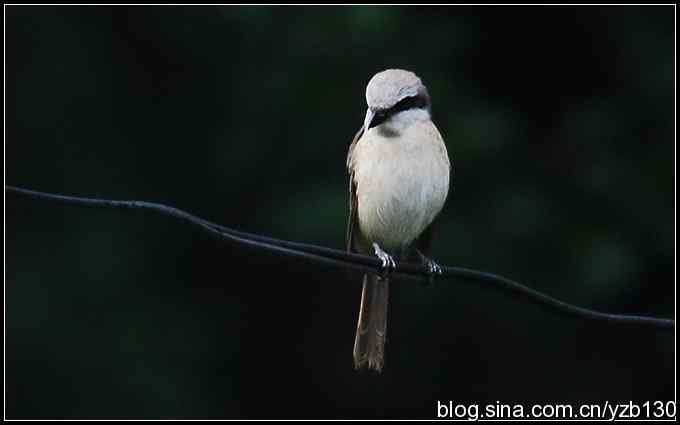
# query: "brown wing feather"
{"type": "Point", "coordinates": [352, 218]}
{"type": "Point", "coordinates": [369, 343]}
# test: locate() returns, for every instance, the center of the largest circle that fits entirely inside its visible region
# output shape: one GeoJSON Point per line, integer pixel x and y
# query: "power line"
{"type": "Point", "coordinates": [342, 259]}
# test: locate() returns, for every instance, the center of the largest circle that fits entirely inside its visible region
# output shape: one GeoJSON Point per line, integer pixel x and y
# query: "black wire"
{"type": "Point", "coordinates": [342, 259]}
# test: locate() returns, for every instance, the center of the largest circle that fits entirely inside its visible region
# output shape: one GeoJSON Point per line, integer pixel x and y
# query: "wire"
{"type": "Point", "coordinates": [342, 259]}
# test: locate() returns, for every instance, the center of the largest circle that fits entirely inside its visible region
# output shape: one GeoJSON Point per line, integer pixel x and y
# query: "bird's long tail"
{"type": "Point", "coordinates": [369, 343]}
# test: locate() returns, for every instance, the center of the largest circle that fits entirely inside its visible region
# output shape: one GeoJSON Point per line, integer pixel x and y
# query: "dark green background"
{"type": "Point", "coordinates": [559, 123]}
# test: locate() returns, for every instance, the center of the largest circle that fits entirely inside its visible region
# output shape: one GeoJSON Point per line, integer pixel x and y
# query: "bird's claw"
{"type": "Point", "coordinates": [387, 260]}
{"type": "Point", "coordinates": [433, 268]}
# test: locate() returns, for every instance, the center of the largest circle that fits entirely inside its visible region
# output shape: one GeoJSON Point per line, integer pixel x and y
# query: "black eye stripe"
{"type": "Point", "coordinates": [409, 103]}
{"type": "Point", "coordinates": [414, 102]}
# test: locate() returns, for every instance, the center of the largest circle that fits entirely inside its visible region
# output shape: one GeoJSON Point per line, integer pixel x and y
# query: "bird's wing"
{"type": "Point", "coordinates": [352, 218]}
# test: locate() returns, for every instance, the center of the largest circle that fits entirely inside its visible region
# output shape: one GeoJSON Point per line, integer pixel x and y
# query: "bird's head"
{"type": "Point", "coordinates": [392, 91]}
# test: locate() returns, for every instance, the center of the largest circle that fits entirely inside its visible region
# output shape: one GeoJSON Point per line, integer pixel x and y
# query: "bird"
{"type": "Point", "coordinates": [399, 171]}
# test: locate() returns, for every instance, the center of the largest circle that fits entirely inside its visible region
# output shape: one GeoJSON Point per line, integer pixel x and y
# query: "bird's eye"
{"type": "Point", "coordinates": [379, 117]}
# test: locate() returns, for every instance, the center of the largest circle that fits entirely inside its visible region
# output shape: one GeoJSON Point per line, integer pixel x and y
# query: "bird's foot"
{"type": "Point", "coordinates": [388, 263]}
{"type": "Point", "coordinates": [433, 268]}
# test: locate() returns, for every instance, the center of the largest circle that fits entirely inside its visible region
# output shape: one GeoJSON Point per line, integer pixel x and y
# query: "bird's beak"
{"type": "Point", "coordinates": [369, 118]}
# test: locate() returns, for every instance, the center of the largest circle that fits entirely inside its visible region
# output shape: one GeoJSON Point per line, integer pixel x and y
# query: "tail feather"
{"type": "Point", "coordinates": [369, 344]}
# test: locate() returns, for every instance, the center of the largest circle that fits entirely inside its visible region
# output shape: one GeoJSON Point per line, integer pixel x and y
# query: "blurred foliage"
{"type": "Point", "coordinates": [560, 125]}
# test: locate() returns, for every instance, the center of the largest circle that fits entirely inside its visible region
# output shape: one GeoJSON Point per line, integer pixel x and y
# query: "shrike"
{"type": "Point", "coordinates": [398, 182]}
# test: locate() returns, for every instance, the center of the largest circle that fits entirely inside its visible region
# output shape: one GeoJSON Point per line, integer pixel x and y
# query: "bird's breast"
{"type": "Point", "coordinates": [402, 183]}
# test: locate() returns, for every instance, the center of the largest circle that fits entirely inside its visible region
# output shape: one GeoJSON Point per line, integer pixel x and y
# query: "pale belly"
{"type": "Point", "coordinates": [402, 184]}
